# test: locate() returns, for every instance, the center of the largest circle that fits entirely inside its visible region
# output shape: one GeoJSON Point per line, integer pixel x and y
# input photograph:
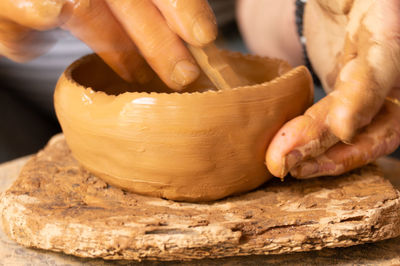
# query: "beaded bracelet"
{"type": "Point", "coordinates": [299, 13]}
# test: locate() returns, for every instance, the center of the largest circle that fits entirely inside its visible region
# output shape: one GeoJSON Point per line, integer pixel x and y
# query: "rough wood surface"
{"type": "Point", "coordinates": [229, 216]}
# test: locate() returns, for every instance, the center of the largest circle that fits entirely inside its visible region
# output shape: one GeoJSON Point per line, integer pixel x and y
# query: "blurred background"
{"type": "Point", "coordinates": [26, 90]}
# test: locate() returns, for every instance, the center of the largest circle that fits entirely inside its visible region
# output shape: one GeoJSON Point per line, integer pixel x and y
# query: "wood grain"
{"type": "Point", "coordinates": [382, 253]}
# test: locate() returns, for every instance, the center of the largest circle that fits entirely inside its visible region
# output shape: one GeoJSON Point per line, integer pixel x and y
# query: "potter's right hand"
{"type": "Point", "coordinates": [116, 30]}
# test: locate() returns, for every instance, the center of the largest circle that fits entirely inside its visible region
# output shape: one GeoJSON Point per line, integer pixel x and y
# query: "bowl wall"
{"type": "Point", "coordinates": [197, 146]}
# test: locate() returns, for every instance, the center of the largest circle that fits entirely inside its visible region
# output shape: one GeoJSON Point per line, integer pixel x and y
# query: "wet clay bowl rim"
{"type": "Point", "coordinates": [191, 146]}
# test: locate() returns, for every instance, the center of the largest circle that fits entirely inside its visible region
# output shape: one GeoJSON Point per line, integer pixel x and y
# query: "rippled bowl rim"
{"type": "Point", "coordinates": [68, 73]}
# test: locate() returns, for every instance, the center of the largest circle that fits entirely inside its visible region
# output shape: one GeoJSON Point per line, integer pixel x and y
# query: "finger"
{"type": "Point", "coordinates": [356, 100]}
{"type": "Point", "coordinates": [96, 26]}
{"type": "Point", "coordinates": [20, 43]}
{"type": "Point", "coordinates": [193, 20]}
{"type": "Point", "coordinates": [161, 47]}
{"type": "Point", "coordinates": [304, 137]}
{"type": "Point", "coordinates": [380, 138]}
{"type": "Point", "coordinates": [34, 14]}
{"type": "Point", "coordinates": [20, 23]}
{"type": "Point", "coordinates": [371, 64]}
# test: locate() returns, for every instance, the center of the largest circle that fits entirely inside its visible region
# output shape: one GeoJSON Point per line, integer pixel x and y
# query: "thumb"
{"type": "Point", "coordinates": [370, 70]}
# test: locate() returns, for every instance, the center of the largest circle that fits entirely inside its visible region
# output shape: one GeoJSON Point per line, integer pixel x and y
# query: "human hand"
{"type": "Point", "coordinates": [354, 47]}
{"type": "Point", "coordinates": [124, 33]}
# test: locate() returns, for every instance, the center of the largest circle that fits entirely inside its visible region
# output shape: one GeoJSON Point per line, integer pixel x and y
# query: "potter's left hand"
{"type": "Point", "coordinates": [354, 47]}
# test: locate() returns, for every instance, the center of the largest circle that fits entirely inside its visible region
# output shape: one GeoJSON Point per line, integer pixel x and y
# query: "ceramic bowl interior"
{"type": "Point", "coordinates": [98, 76]}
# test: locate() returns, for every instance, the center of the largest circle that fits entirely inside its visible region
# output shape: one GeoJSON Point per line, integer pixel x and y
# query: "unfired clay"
{"type": "Point", "coordinates": [196, 146]}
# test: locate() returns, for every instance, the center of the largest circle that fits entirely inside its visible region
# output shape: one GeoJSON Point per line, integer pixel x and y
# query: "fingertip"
{"type": "Point", "coordinates": [144, 74]}
{"type": "Point", "coordinates": [128, 77]}
{"type": "Point", "coordinates": [274, 158]}
{"type": "Point", "coordinates": [305, 170]}
{"type": "Point", "coordinates": [274, 164]}
{"type": "Point", "coordinates": [281, 145]}
{"type": "Point", "coordinates": [184, 73]}
{"type": "Point", "coordinates": [205, 28]}
{"type": "Point", "coordinates": [128, 64]}
{"type": "Point", "coordinates": [194, 20]}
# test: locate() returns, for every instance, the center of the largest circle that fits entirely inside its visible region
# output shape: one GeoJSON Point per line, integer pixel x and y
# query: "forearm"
{"type": "Point", "coordinates": [268, 28]}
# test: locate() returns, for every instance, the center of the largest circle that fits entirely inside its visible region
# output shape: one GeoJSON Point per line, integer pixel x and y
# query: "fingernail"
{"type": "Point", "coordinates": [306, 170]}
{"type": "Point", "coordinates": [205, 29]}
{"type": "Point", "coordinates": [293, 158]}
{"type": "Point", "coordinates": [185, 72]}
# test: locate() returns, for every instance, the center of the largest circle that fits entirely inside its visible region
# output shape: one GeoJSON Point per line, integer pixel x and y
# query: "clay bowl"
{"type": "Point", "coordinates": [194, 146]}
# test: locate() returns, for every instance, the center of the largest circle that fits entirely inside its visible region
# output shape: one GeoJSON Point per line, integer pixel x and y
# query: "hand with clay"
{"type": "Point", "coordinates": [124, 33]}
{"type": "Point", "coordinates": [354, 48]}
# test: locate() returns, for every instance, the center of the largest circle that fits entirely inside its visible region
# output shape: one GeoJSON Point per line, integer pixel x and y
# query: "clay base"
{"type": "Point", "coordinates": [56, 205]}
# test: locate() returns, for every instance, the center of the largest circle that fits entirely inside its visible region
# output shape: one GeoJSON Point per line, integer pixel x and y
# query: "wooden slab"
{"type": "Point", "coordinates": [290, 225]}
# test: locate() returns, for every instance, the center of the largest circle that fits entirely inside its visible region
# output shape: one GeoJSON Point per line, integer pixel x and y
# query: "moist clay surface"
{"type": "Point", "coordinates": [57, 205]}
{"type": "Point", "coordinates": [200, 145]}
